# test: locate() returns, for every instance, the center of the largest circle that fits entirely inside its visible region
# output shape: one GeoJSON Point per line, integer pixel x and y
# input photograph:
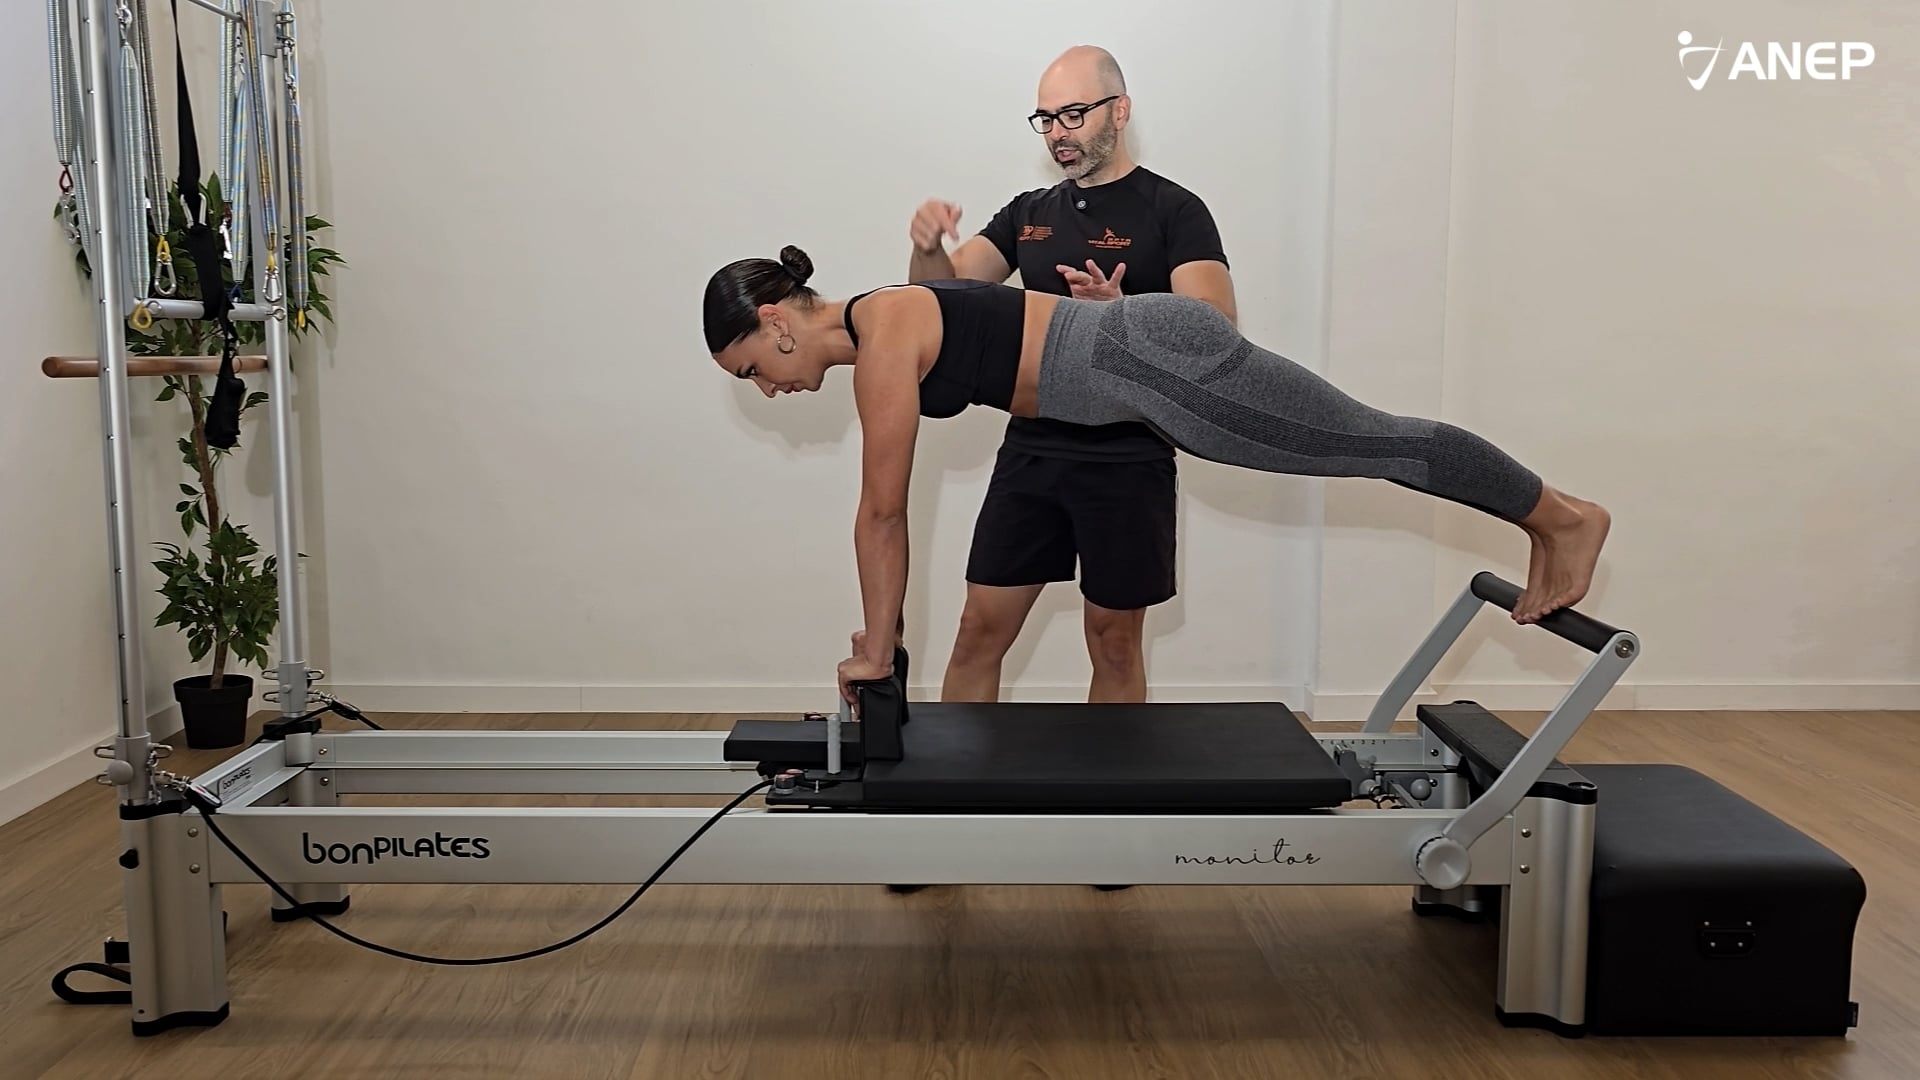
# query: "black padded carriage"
{"type": "Point", "coordinates": [1052, 757]}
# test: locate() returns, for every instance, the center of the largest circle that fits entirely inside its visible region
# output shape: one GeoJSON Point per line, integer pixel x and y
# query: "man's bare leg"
{"type": "Point", "coordinates": [989, 623]}
{"type": "Point", "coordinates": [1116, 647]}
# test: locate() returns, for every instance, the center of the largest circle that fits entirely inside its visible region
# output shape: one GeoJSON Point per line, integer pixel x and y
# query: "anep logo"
{"type": "Point", "coordinates": [1785, 60]}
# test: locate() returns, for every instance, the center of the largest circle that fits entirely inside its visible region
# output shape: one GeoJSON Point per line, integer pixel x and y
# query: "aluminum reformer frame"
{"type": "Point", "coordinates": [281, 805]}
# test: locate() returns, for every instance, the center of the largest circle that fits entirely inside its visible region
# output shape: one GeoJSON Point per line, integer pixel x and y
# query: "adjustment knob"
{"type": "Point", "coordinates": [1421, 789]}
{"type": "Point", "coordinates": [1443, 863]}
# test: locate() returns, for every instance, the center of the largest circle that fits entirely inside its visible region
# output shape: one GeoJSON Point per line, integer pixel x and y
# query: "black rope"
{"type": "Point", "coordinates": [94, 997]}
{"type": "Point", "coordinates": [208, 810]}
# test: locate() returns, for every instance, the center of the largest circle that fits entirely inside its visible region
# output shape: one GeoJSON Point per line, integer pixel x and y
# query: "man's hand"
{"type": "Point", "coordinates": [935, 219]}
{"type": "Point", "coordinates": [1093, 283]}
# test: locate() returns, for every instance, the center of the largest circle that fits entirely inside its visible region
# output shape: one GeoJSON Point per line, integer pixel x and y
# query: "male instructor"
{"type": "Point", "coordinates": [1104, 496]}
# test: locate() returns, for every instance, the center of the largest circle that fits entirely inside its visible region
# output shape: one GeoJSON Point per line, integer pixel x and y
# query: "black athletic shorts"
{"type": "Point", "coordinates": [1116, 518]}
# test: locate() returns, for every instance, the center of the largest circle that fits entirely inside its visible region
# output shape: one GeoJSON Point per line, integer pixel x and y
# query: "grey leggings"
{"type": "Point", "coordinates": [1178, 364]}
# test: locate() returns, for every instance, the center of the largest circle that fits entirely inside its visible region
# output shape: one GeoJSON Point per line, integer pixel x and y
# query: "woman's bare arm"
{"type": "Point", "coordinates": [896, 336]}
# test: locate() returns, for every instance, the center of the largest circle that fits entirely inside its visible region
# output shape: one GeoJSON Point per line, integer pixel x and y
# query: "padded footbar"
{"type": "Point", "coordinates": [1487, 746]}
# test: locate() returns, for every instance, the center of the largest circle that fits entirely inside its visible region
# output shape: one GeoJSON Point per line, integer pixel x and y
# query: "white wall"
{"type": "Point", "coordinates": [1697, 307]}
{"type": "Point", "coordinates": [526, 488]}
{"type": "Point", "coordinates": [536, 490]}
{"type": "Point", "coordinates": [1390, 160]}
{"type": "Point", "coordinates": [56, 636]}
{"type": "Point", "coordinates": [58, 683]}
{"type": "Point", "coordinates": [532, 493]}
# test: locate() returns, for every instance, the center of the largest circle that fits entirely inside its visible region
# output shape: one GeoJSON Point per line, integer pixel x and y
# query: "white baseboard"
{"type": "Point", "coordinates": [1517, 697]}
{"type": "Point", "coordinates": [41, 785]}
{"type": "Point", "coordinates": [49, 782]}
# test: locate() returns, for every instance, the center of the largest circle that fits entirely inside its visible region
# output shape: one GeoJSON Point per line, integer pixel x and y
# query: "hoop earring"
{"type": "Point", "coordinates": [784, 343]}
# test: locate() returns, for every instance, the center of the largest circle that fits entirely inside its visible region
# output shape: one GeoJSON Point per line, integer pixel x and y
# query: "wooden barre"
{"type": "Point", "coordinates": [88, 367]}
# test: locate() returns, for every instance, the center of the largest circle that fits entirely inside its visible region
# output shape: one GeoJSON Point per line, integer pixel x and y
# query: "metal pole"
{"type": "Point", "coordinates": [270, 286]}
{"type": "Point", "coordinates": [834, 723]}
{"type": "Point", "coordinates": [107, 141]}
{"type": "Point", "coordinates": [161, 308]}
{"type": "Point", "coordinates": [222, 12]}
{"type": "Point", "coordinates": [1421, 664]}
{"type": "Point", "coordinates": [293, 654]}
{"type": "Point", "coordinates": [99, 58]}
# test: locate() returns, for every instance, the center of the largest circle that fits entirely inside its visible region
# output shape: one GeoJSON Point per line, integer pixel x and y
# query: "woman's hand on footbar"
{"type": "Point", "coordinates": [858, 668]}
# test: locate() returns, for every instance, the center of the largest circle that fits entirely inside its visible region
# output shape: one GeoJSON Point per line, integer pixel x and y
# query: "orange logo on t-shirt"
{"type": "Point", "coordinates": [1035, 232]}
{"type": "Point", "coordinates": [1110, 241]}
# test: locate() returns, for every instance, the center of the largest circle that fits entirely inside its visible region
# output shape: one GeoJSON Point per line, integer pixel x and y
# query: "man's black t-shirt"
{"type": "Point", "coordinates": [1142, 219]}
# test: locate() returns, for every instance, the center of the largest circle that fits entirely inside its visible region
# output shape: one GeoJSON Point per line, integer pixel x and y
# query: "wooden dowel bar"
{"type": "Point", "coordinates": [88, 367]}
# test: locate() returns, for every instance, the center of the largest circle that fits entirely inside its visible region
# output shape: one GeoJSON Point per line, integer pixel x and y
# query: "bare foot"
{"type": "Point", "coordinates": [1570, 536]}
{"type": "Point", "coordinates": [1536, 577]}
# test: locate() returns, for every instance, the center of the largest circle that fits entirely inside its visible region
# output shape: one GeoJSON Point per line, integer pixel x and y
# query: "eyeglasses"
{"type": "Point", "coordinates": [1070, 117]}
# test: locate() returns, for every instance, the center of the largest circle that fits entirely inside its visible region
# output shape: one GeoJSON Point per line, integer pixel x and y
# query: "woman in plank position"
{"type": "Point", "coordinates": [1171, 361]}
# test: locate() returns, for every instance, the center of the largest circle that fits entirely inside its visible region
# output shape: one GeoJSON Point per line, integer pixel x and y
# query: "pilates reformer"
{"type": "Point", "coordinates": [1477, 819]}
{"type": "Point", "coordinates": [1007, 793]}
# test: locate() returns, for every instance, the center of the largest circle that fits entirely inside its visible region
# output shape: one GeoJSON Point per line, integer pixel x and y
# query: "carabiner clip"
{"type": "Point", "coordinates": [142, 317]}
{"type": "Point", "coordinates": [163, 279]}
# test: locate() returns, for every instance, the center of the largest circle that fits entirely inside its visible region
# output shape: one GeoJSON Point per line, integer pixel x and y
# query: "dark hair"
{"type": "Point", "coordinates": [736, 291]}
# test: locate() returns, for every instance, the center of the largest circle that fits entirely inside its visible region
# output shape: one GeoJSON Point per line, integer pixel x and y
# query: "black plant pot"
{"type": "Point", "coordinates": [214, 718]}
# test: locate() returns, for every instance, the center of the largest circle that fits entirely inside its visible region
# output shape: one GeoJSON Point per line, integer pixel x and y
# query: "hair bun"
{"type": "Point", "coordinates": [796, 263]}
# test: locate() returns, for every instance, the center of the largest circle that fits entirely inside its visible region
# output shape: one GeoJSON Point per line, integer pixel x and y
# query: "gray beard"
{"type": "Point", "coordinates": [1095, 153]}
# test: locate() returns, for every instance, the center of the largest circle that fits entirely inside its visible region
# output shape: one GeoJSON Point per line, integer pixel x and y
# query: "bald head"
{"type": "Point", "coordinates": [1084, 108]}
{"type": "Point", "coordinates": [1089, 69]}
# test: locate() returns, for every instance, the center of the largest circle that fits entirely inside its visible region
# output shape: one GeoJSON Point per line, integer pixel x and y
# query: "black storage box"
{"type": "Point", "coordinates": [1710, 916]}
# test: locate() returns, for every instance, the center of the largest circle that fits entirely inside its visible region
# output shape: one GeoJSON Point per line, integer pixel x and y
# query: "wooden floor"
{"type": "Point", "coordinates": [791, 982]}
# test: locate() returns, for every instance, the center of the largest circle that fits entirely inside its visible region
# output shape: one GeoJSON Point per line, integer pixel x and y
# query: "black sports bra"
{"type": "Point", "coordinates": [984, 325]}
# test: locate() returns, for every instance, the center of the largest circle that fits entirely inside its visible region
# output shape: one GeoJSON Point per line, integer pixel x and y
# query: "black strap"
{"type": "Point", "coordinates": [229, 391]}
{"type": "Point", "coordinates": [94, 997]}
{"type": "Point", "coordinates": [204, 247]}
{"type": "Point", "coordinates": [203, 242]}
